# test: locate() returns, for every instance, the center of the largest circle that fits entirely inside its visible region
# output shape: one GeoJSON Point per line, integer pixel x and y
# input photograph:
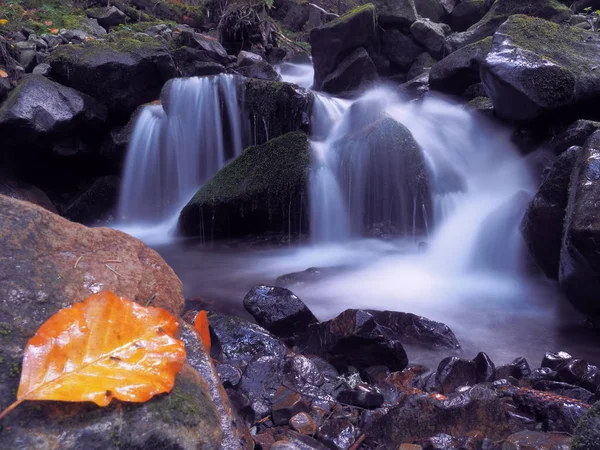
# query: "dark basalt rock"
{"type": "Point", "coordinates": [260, 71]}
{"type": "Point", "coordinates": [430, 35]}
{"type": "Point", "coordinates": [262, 190]}
{"type": "Point", "coordinates": [554, 360]}
{"type": "Point", "coordinates": [397, 13]}
{"type": "Point", "coordinates": [500, 11]}
{"type": "Point", "coordinates": [278, 310]}
{"type": "Point", "coordinates": [107, 17]}
{"type": "Point", "coordinates": [96, 204]}
{"type": "Point", "coordinates": [581, 373]}
{"type": "Point", "coordinates": [192, 62]}
{"type": "Point", "coordinates": [402, 50]}
{"type": "Point", "coordinates": [587, 434]}
{"type": "Point", "coordinates": [363, 396]}
{"type": "Point", "coordinates": [543, 374]}
{"type": "Point", "coordinates": [577, 133]}
{"type": "Point", "coordinates": [518, 370]}
{"type": "Point", "coordinates": [353, 72]}
{"type": "Point", "coordinates": [460, 69]}
{"type": "Point", "coordinates": [485, 368]}
{"type": "Point", "coordinates": [537, 67]}
{"type": "Point", "coordinates": [333, 42]}
{"type": "Point", "coordinates": [337, 434]}
{"type": "Point", "coordinates": [421, 65]}
{"type": "Point", "coordinates": [312, 274]}
{"type": "Point", "coordinates": [454, 372]}
{"type": "Point", "coordinates": [303, 424]}
{"type": "Point", "coordinates": [565, 389]}
{"type": "Point", "coordinates": [580, 254]}
{"type": "Point", "coordinates": [286, 404]}
{"type": "Point", "coordinates": [261, 381]}
{"type": "Point", "coordinates": [467, 13]}
{"type": "Point", "coordinates": [236, 338]}
{"type": "Point", "coordinates": [542, 224]}
{"type": "Point", "coordinates": [422, 416]}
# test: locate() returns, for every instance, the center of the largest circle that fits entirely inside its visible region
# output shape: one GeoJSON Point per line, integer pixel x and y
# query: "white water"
{"type": "Point", "coordinates": [173, 152]}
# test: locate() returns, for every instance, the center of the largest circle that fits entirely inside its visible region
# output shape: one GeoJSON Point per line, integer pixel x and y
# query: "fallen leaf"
{"type": "Point", "coordinates": [202, 328]}
{"type": "Point", "coordinates": [103, 348]}
{"type": "Point", "coordinates": [48, 23]}
{"type": "Point", "coordinates": [3, 74]}
{"type": "Point", "coordinates": [3, 21]}
{"type": "Point", "coordinates": [54, 30]}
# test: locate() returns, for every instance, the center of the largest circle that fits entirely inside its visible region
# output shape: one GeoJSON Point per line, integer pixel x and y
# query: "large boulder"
{"type": "Point", "coordinates": [24, 191]}
{"type": "Point", "coordinates": [430, 9]}
{"type": "Point", "coordinates": [537, 67]}
{"type": "Point", "coordinates": [382, 161]}
{"type": "Point", "coordinates": [543, 222]}
{"type": "Point", "coordinates": [333, 42]}
{"type": "Point", "coordinates": [459, 70]}
{"type": "Point", "coordinates": [122, 75]}
{"type": "Point", "coordinates": [400, 13]}
{"type": "Point", "coordinates": [402, 50]}
{"type": "Point", "coordinates": [355, 71]}
{"type": "Point", "coordinates": [263, 190]}
{"type": "Point", "coordinates": [96, 203]}
{"type": "Point", "coordinates": [467, 13]}
{"type": "Point", "coordinates": [107, 17]}
{"type": "Point", "coordinates": [49, 263]}
{"type": "Point", "coordinates": [430, 35]}
{"type": "Point", "coordinates": [580, 253]}
{"type": "Point", "coordinates": [587, 433]}
{"type": "Point", "coordinates": [575, 135]}
{"type": "Point", "coordinates": [500, 11]}
{"type": "Point", "coordinates": [274, 108]}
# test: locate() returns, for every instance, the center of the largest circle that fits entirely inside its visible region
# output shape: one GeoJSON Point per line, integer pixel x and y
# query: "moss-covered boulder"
{"type": "Point", "coordinates": [122, 74]}
{"type": "Point", "coordinates": [459, 70]}
{"type": "Point", "coordinates": [333, 42]}
{"type": "Point", "coordinates": [263, 190]}
{"type": "Point", "coordinates": [579, 273]}
{"type": "Point", "coordinates": [274, 108]}
{"type": "Point", "coordinates": [537, 67]}
{"type": "Point", "coordinates": [501, 10]}
{"type": "Point", "coordinates": [587, 433]}
{"type": "Point", "coordinates": [384, 179]}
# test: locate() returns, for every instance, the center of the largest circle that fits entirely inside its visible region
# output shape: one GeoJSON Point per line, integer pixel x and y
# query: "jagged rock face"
{"type": "Point", "coordinates": [500, 11]}
{"type": "Point", "coordinates": [263, 190]}
{"type": "Point", "coordinates": [580, 254]}
{"type": "Point", "coordinates": [537, 67]}
{"type": "Point", "coordinates": [543, 222]}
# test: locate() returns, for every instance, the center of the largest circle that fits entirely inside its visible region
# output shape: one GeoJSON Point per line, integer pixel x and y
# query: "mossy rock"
{"type": "Point", "coordinates": [537, 67]}
{"type": "Point", "coordinates": [275, 108]}
{"type": "Point", "coordinates": [333, 42]}
{"type": "Point", "coordinates": [122, 74]}
{"type": "Point", "coordinates": [500, 11]}
{"type": "Point", "coordinates": [263, 190]}
{"type": "Point", "coordinates": [587, 433]}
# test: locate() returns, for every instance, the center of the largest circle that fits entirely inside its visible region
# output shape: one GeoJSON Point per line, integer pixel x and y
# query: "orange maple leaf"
{"type": "Point", "coordinates": [202, 328]}
{"type": "Point", "coordinates": [103, 348]}
{"type": "Point", "coordinates": [3, 74]}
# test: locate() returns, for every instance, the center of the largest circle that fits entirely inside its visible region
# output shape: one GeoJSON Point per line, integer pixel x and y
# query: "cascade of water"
{"type": "Point", "coordinates": [175, 149]}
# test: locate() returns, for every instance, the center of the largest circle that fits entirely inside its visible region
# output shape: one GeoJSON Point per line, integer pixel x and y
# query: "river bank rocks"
{"type": "Point", "coordinates": [263, 190]}
{"type": "Point", "coordinates": [49, 263]}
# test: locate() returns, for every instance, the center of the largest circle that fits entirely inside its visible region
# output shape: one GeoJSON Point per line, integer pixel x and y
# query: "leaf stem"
{"type": "Point", "coordinates": [10, 408]}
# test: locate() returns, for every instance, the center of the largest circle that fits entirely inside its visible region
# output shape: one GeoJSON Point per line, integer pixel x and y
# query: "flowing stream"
{"type": "Point", "coordinates": [459, 257]}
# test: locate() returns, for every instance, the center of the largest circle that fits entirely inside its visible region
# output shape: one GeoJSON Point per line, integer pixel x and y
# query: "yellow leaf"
{"type": "Point", "coordinates": [3, 21]}
{"type": "Point", "coordinates": [3, 74]}
{"type": "Point", "coordinates": [54, 30]}
{"type": "Point", "coordinates": [103, 348]}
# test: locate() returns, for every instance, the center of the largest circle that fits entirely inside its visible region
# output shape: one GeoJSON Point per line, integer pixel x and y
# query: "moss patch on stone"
{"type": "Point", "coordinates": [587, 433]}
{"type": "Point", "coordinates": [369, 7]}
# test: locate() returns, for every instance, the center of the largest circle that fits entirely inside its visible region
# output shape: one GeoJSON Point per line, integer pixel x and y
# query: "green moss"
{"type": "Point", "coordinates": [273, 167]}
{"type": "Point", "coordinates": [587, 433]}
{"type": "Point", "coordinates": [368, 7]}
{"type": "Point", "coordinates": [14, 371]}
{"type": "Point", "coordinates": [538, 8]}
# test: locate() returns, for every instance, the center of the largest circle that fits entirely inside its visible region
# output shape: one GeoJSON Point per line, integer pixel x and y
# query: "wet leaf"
{"type": "Point", "coordinates": [3, 74]}
{"type": "Point", "coordinates": [202, 328]}
{"type": "Point", "coordinates": [103, 348]}
{"type": "Point", "coordinates": [54, 30]}
{"type": "Point", "coordinates": [48, 23]}
{"type": "Point", "coordinates": [3, 21]}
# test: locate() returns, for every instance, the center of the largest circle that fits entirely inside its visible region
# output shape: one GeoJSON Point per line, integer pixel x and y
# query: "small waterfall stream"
{"type": "Point", "coordinates": [175, 148]}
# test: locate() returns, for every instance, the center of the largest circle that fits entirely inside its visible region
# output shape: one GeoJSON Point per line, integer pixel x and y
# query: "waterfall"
{"type": "Point", "coordinates": [174, 149]}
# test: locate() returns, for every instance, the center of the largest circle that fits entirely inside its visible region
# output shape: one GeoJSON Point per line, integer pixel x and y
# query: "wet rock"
{"type": "Point", "coordinates": [577, 133]}
{"type": "Point", "coordinates": [421, 65]}
{"type": "Point", "coordinates": [274, 109]}
{"type": "Point", "coordinates": [566, 390]}
{"type": "Point", "coordinates": [286, 404]}
{"type": "Point", "coordinates": [430, 9]}
{"type": "Point", "coordinates": [362, 395]}
{"type": "Point", "coordinates": [529, 75]}
{"type": "Point", "coordinates": [229, 374]}
{"type": "Point", "coordinates": [248, 58]}
{"type": "Point", "coordinates": [42, 69]}
{"type": "Point", "coordinates": [467, 13]}
{"type": "Point", "coordinates": [400, 49]}
{"type": "Point", "coordinates": [554, 360]}
{"type": "Point", "coordinates": [26, 55]}
{"type": "Point", "coordinates": [500, 11]}
{"type": "Point", "coordinates": [239, 339]}
{"type": "Point", "coordinates": [485, 368]}
{"type": "Point", "coordinates": [399, 13]}
{"type": "Point", "coordinates": [266, 186]}
{"type": "Point", "coordinates": [312, 274]}
{"type": "Point", "coordinates": [415, 88]}
{"type": "Point", "coordinates": [460, 69]}
{"type": "Point", "coordinates": [261, 381]}
{"type": "Point", "coordinates": [581, 373]}
{"type": "Point", "coordinates": [353, 72]}
{"type": "Point", "coordinates": [107, 17]}
{"type": "Point", "coordinates": [331, 43]}
{"type": "Point", "coordinates": [95, 204]}
{"type": "Point", "coordinates": [260, 71]}
{"type": "Point", "coordinates": [454, 372]}
{"type": "Point", "coordinates": [587, 434]}
{"type": "Point", "coordinates": [337, 434]}
{"type": "Point", "coordinates": [534, 440]}
{"type": "Point", "coordinates": [51, 263]}
{"type": "Point", "coordinates": [430, 35]}
{"type": "Point", "coordinates": [303, 424]}
{"type": "Point", "coordinates": [121, 79]}
{"type": "Point", "coordinates": [518, 370]}
{"type": "Point", "coordinates": [543, 374]}
{"type": "Point", "coordinates": [192, 62]}
{"type": "Point", "coordinates": [210, 47]}
{"type": "Point", "coordinates": [27, 192]}
{"type": "Point", "coordinates": [542, 224]}
{"type": "Point", "coordinates": [580, 255]}
{"type": "Point", "coordinates": [423, 415]}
